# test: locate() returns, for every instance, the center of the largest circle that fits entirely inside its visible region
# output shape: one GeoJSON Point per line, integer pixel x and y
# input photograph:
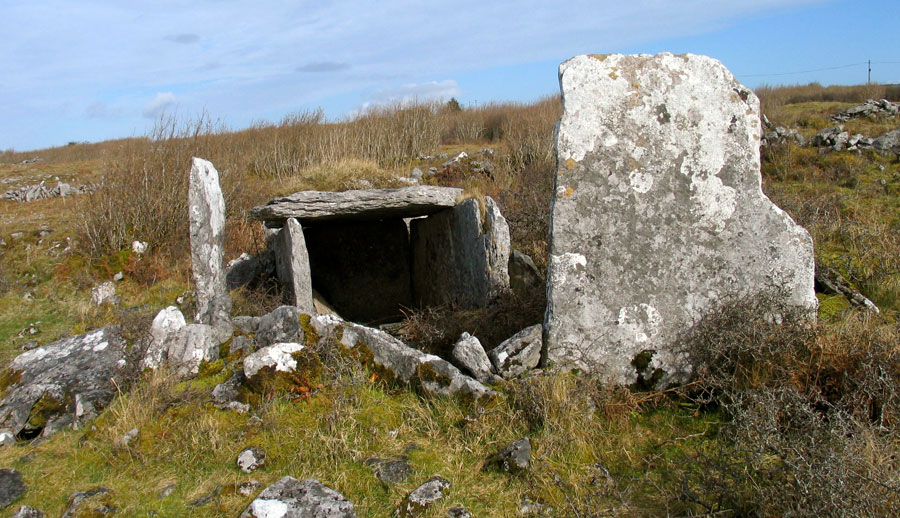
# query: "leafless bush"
{"type": "Point", "coordinates": [813, 415]}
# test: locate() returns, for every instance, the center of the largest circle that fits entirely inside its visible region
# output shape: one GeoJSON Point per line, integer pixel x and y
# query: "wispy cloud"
{"type": "Point", "coordinates": [184, 38]}
{"type": "Point", "coordinates": [159, 105]}
{"type": "Point", "coordinates": [416, 92]}
{"type": "Point", "coordinates": [323, 66]}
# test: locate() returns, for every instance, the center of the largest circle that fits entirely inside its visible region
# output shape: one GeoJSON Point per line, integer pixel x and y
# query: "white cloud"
{"type": "Point", "coordinates": [162, 102]}
{"type": "Point", "coordinates": [416, 92]}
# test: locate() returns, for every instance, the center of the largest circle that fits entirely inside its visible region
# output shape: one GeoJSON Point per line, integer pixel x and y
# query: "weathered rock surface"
{"type": "Point", "coordinates": [91, 497]}
{"type": "Point", "coordinates": [458, 512]}
{"type": "Point", "coordinates": [512, 459]}
{"type": "Point", "coordinates": [469, 353]}
{"type": "Point", "coordinates": [658, 214]}
{"type": "Point", "coordinates": [292, 266]}
{"type": "Point", "coordinates": [206, 209]}
{"type": "Point", "coordinates": [889, 143]}
{"type": "Point", "coordinates": [11, 487]}
{"type": "Point", "coordinates": [519, 353]}
{"type": "Point", "coordinates": [394, 359]}
{"type": "Point", "coordinates": [277, 357]}
{"type": "Point", "coordinates": [191, 345]}
{"type": "Point", "coordinates": [165, 323]}
{"type": "Point", "coordinates": [104, 293]}
{"type": "Point", "coordinates": [251, 459]}
{"type": "Point", "coordinates": [460, 256]}
{"type": "Point", "coordinates": [310, 206]}
{"type": "Point", "coordinates": [391, 471]}
{"type": "Point", "coordinates": [28, 512]}
{"type": "Point", "coordinates": [290, 498]}
{"type": "Point", "coordinates": [248, 270]}
{"type": "Point", "coordinates": [422, 498]}
{"type": "Point", "coordinates": [65, 382]}
{"type": "Point", "coordinates": [281, 325]}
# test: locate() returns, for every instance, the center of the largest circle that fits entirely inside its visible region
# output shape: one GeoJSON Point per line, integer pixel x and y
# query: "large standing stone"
{"type": "Point", "coordinates": [206, 207]}
{"type": "Point", "coordinates": [659, 213]}
{"type": "Point", "coordinates": [460, 256]}
{"type": "Point", "coordinates": [292, 266]}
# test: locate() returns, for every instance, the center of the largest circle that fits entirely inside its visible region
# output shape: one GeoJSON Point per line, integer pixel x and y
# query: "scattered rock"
{"type": "Point", "coordinates": [30, 344]}
{"type": "Point", "coordinates": [251, 459]}
{"type": "Point", "coordinates": [641, 251]}
{"type": "Point", "coordinates": [11, 487]}
{"type": "Point", "coordinates": [290, 498]}
{"type": "Point", "coordinates": [118, 277]}
{"type": "Point", "coordinates": [391, 471]}
{"type": "Point", "coordinates": [228, 395]}
{"type": "Point", "coordinates": [105, 293]}
{"type": "Point", "coordinates": [128, 438]}
{"type": "Point", "coordinates": [40, 192]}
{"type": "Point", "coordinates": [139, 247]}
{"type": "Point", "coordinates": [458, 512]}
{"type": "Point", "coordinates": [7, 438]}
{"type": "Point", "coordinates": [870, 108]}
{"type": "Point", "coordinates": [888, 144]}
{"type": "Point", "coordinates": [66, 381]}
{"type": "Point", "coordinates": [530, 507]}
{"type": "Point", "coordinates": [292, 266]}
{"type": "Point", "coordinates": [514, 458]}
{"type": "Point", "coordinates": [77, 499]}
{"type": "Point", "coordinates": [469, 353]}
{"type": "Point", "coordinates": [167, 491]}
{"type": "Point", "coordinates": [206, 208]}
{"type": "Point", "coordinates": [422, 498]}
{"type": "Point", "coordinates": [28, 512]}
{"type": "Point", "coordinates": [417, 174]}
{"type": "Point", "coordinates": [519, 353]}
{"type": "Point", "coordinates": [831, 281]}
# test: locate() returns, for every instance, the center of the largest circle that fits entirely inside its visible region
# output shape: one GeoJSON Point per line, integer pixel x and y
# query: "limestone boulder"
{"type": "Point", "coordinates": [519, 353]}
{"type": "Point", "coordinates": [460, 256]}
{"type": "Point", "coordinates": [419, 500]}
{"type": "Point", "coordinates": [165, 323]}
{"type": "Point", "coordinates": [65, 382]}
{"type": "Point", "coordinates": [889, 143]}
{"type": "Point", "coordinates": [658, 214]}
{"type": "Point", "coordinates": [292, 266]}
{"type": "Point", "coordinates": [206, 211]}
{"type": "Point", "coordinates": [469, 353]}
{"type": "Point", "coordinates": [290, 498]}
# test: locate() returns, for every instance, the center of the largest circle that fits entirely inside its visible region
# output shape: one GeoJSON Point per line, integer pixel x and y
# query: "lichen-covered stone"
{"type": "Point", "coordinates": [658, 214]}
{"type": "Point", "coordinates": [519, 353]}
{"type": "Point", "coordinates": [420, 499]}
{"type": "Point", "coordinates": [206, 210]}
{"type": "Point", "coordinates": [65, 382]}
{"type": "Point", "coordinates": [290, 498]}
{"type": "Point", "coordinates": [469, 353]}
{"type": "Point", "coordinates": [166, 322]}
{"type": "Point", "coordinates": [460, 256]}
{"type": "Point", "coordinates": [281, 325]}
{"type": "Point", "coordinates": [397, 361]}
{"type": "Point", "coordinates": [292, 266]}
{"type": "Point", "coordinates": [514, 458]}
{"type": "Point", "coordinates": [187, 348]}
{"type": "Point", "coordinates": [11, 487]}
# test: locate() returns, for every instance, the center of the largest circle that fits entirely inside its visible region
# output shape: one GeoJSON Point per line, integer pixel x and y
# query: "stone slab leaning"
{"type": "Point", "coordinates": [658, 214]}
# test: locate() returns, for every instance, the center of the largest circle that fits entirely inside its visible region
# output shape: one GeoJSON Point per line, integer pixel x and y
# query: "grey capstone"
{"type": "Point", "coordinates": [519, 353]}
{"type": "Point", "coordinates": [290, 498]}
{"type": "Point", "coordinates": [658, 214]}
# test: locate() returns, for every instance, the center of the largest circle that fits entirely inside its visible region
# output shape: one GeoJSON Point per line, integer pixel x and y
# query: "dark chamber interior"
{"type": "Point", "coordinates": [362, 268]}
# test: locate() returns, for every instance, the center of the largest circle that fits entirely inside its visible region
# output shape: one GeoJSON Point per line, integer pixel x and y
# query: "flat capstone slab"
{"type": "Point", "coordinates": [367, 204]}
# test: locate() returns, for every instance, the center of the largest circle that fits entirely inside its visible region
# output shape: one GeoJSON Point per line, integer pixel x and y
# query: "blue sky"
{"type": "Point", "coordinates": [90, 70]}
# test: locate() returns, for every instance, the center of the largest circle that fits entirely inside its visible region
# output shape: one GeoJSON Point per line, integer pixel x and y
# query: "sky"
{"type": "Point", "coordinates": [92, 70]}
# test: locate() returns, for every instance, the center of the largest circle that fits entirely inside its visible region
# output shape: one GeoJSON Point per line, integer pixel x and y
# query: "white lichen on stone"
{"type": "Point", "coordinates": [265, 508]}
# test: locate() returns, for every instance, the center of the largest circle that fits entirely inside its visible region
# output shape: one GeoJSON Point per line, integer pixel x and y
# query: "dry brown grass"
{"type": "Point", "coordinates": [773, 97]}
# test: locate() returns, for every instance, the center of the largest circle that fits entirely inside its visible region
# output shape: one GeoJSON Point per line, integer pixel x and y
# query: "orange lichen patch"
{"type": "Point", "coordinates": [571, 163]}
{"type": "Point", "coordinates": [613, 75]}
{"type": "Point", "coordinates": [569, 192]}
{"type": "Point", "coordinates": [599, 57]}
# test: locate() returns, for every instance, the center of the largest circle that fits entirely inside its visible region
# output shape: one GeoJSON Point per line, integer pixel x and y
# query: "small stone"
{"type": "Point", "coordinates": [104, 294]}
{"type": "Point", "coordinates": [28, 297]}
{"type": "Point", "coordinates": [7, 438]}
{"type": "Point", "coordinates": [30, 344]}
{"type": "Point", "coordinates": [416, 174]}
{"type": "Point", "coordinates": [291, 498]}
{"type": "Point", "coordinates": [128, 438]}
{"type": "Point", "coordinates": [167, 491]}
{"type": "Point", "coordinates": [530, 507]}
{"type": "Point", "coordinates": [514, 458]}
{"type": "Point", "coordinates": [391, 471]}
{"type": "Point", "coordinates": [251, 459]}
{"type": "Point", "coordinates": [422, 498]}
{"type": "Point", "coordinates": [458, 512]}
{"type": "Point", "coordinates": [11, 487]}
{"type": "Point", "coordinates": [118, 277]}
{"type": "Point", "coordinates": [78, 498]}
{"type": "Point", "coordinates": [519, 353]}
{"type": "Point", "coordinates": [469, 353]}
{"type": "Point", "coordinates": [139, 247]}
{"type": "Point", "coordinates": [28, 512]}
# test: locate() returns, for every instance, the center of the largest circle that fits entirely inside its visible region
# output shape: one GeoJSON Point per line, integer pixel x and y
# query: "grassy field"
{"type": "Point", "coordinates": [790, 419]}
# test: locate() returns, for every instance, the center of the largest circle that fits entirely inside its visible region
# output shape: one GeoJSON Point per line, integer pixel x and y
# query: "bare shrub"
{"type": "Point", "coordinates": [813, 415]}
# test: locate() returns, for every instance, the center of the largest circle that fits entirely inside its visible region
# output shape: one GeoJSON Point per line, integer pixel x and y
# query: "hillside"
{"type": "Point", "coordinates": [791, 418]}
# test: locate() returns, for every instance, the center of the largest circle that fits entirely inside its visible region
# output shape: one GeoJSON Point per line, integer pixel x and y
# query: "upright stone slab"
{"type": "Point", "coordinates": [461, 255]}
{"type": "Point", "coordinates": [292, 266]}
{"type": "Point", "coordinates": [206, 207]}
{"type": "Point", "coordinates": [659, 213]}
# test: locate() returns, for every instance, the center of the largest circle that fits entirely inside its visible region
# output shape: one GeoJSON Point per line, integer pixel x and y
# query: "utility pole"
{"type": "Point", "coordinates": [869, 78]}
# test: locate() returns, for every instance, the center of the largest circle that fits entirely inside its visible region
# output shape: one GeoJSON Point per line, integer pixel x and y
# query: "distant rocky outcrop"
{"type": "Point", "coordinates": [870, 108]}
{"type": "Point", "coordinates": [41, 191]}
{"type": "Point", "coordinates": [658, 215]}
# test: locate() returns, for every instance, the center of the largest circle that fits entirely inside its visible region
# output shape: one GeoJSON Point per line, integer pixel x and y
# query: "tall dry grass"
{"type": "Point", "coordinates": [773, 97]}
